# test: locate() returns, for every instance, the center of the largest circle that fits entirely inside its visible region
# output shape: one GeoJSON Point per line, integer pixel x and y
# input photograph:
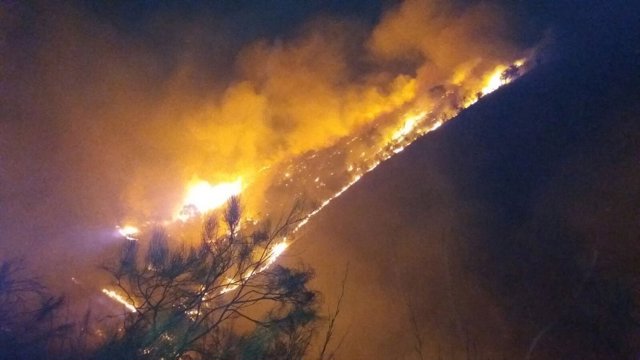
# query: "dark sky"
{"type": "Point", "coordinates": [514, 199]}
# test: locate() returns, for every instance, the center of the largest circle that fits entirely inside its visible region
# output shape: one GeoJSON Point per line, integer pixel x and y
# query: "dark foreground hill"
{"type": "Point", "coordinates": [511, 232]}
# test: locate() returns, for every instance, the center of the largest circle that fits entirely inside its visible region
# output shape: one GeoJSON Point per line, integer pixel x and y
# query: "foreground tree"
{"type": "Point", "coordinates": [221, 299]}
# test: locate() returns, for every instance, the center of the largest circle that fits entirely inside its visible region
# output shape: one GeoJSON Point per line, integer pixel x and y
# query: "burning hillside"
{"type": "Point", "coordinates": [320, 176]}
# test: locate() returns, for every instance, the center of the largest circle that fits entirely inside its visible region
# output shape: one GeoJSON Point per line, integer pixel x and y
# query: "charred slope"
{"type": "Point", "coordinates": [510, 232]}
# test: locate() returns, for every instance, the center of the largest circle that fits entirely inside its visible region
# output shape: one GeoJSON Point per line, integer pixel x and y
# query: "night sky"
{"type": "Point", "coordinates": [519, 217]}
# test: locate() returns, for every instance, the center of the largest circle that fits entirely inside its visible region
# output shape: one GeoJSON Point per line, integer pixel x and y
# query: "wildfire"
{"type": "Point", "coordinates": [202, 196]}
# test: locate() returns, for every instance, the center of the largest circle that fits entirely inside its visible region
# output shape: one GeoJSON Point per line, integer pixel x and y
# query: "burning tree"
{"type": "Point", "coordinates": [221, 299]}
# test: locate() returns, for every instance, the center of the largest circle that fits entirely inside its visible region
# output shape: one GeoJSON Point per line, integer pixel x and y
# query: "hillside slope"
{"type": "Point", "coordinates": [513, 229]}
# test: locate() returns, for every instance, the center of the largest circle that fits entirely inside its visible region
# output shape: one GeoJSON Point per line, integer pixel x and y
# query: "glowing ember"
{"type": "Point", "coordinates": [119, 298]}
{"type": "Point", "coordinates": [205, 197]}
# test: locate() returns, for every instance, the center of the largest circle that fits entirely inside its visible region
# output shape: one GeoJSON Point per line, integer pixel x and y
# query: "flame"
{"type": "Point", "coordinates": [494, 82]}
{"type": "Point", "coordinates": [411, 120]}
{"type": "Point", "coordinates": [119, 298]}
{"type": "Point", "coordinates": [205, 197]}
{"type": "Point", "coordinates": [496, 79]}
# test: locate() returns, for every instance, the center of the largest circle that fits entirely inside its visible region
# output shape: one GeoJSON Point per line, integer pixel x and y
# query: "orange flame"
{"type": "Point", "coordinates": [205, 197]}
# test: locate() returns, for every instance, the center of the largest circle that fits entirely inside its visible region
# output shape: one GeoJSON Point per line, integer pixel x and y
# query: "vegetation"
{"type": "Point", "coordinates": [220, 299]}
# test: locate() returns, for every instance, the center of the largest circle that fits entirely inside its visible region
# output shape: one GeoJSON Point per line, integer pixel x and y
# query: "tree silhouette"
{"type": "Point", "coordinates": [221, 299]}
